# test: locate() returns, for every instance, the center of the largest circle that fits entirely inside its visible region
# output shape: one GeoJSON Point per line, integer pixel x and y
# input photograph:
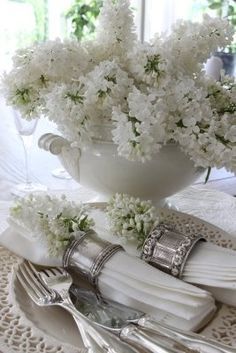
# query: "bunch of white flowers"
{"type": "Point", "coordinates": [149, 94]}
{"type": "Point", "coordinates": [130, 218]}
{"type": "Point", "coordinates": [50, 219]}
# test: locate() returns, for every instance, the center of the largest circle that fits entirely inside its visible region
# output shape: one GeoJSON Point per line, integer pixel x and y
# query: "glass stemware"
{"type": "Point", "coordinates": [26, 129]}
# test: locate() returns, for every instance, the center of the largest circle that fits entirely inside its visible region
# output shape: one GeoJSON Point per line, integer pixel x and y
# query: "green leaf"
{"type": "Point", "coordinates": [83, 17]}
{"type": "Point", "coordinates": [208, 175]}
{"type": "Point", "coordinates": [215, 6]}
{"type": "Point", "coordinates": [231, 10]}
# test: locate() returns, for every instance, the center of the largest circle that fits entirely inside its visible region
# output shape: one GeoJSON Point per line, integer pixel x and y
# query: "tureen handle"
{"type": "Point", "coordinates": [52, 143]}
{"type": "Point", "coordinates": [68, 155]}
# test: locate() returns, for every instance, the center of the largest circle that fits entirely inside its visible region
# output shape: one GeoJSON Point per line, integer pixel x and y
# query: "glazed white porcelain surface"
{"type": "Point", "coordinates": [98, 167]}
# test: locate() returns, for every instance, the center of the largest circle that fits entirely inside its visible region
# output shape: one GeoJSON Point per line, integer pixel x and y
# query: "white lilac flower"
{"type": "Point", "coordinates": [131, 218]}
{"type": "Point", "coordinates": [148, 94]}
{"type": "Point", "coordinates": [60, 61]}
{"type": "Point", "coordinates": [37, 69]}
{"type": "Point", "coordinates": [21, 87]}
{"type": "Point", "coordinates": [115, 30]}
{"type": "Point", "coordinates": [24, 97]}
{"type": "Point", "coordinates": [143, 129]}
{"type": "Point", "coordinates": [147, 63]}
{"type": "Point", "coordinates": [66, 101]}
{"type": "Point", "coordinates": [190, 44]}
{"type": "Point", "coordinates": [106, 86]}
{"type": "Point", "coordinates": [231, 134]}
{"type": "Point", "coordinates": [50, 219]}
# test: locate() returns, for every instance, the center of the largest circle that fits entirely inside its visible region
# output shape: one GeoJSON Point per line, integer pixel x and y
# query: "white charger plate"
{"type": "Point", "coordinates": [24, 327]}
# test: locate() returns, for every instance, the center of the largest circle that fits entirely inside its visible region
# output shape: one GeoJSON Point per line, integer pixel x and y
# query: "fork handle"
{"type": "Point", "coordinates": [134, 336]}
{"type": "Point", "coordinates": [96, 336]}
{"type": "Point", "coordinates": [145, 341]}
{"type": "Point", "coordinates": [189, 339]}
{"type": "Point", "coordinates": [84, 335]}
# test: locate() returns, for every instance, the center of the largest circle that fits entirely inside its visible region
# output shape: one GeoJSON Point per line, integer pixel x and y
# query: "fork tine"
{"type": "Point", "coordinates": [36, 275]}
{"type": "Point", "coordinates": [40, 276]}
{"type": "Point", "coordinates": [35, 271]}
{"type": "Point", "coordinates": [59, 270]}
{"type": "Point", "coordinates": [33, 279]}
{"type": "Point", "coordinates": [27, 285]}
{"type": "Point", "coordinates": [48, 272]}
{"type": "Point", "coordinates": [32, 267]}
{"type": "Point", "coordinates": [55, 271]}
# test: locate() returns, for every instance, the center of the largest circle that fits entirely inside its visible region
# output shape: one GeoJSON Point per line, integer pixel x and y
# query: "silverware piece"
{"type": "Point", "coordinates": [92, 305]}
{"type": "Point", "coordinates": [129, 328]}
{"type": "Point", "coordinates": [43, 296]}
{"type": "Point", "coordinates": [141, 339]}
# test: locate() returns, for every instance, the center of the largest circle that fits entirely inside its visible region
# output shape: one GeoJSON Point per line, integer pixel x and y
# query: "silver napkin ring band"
{"type": "Point", "coordinates": [168, 249]}
{"type": "Point", "coordinates": [88, 254]}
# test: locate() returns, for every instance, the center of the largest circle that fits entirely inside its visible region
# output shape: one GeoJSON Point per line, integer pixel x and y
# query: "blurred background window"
{"type": "Point", "coordinates": [23, 22]}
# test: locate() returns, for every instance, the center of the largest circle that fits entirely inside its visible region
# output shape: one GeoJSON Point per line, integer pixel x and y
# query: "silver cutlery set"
{"type": "Point", "coordinates": [104, 325]}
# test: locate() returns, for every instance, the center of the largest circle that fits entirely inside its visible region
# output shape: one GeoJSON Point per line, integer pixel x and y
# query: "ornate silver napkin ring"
{"type": "Point", "coordinates": [168, 249]}
{"type": "Point", "coordinates": [88, 254]}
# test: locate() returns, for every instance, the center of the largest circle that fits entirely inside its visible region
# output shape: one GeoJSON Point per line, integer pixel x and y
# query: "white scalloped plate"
{"type": "Point", "coordinates": [30, 329]}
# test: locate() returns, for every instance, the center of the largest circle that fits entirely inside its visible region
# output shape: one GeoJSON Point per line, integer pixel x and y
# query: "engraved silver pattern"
{"type": "Point", "coordinates": [168, 249]}
{"type": "Point", "coordinates": [88, 254]}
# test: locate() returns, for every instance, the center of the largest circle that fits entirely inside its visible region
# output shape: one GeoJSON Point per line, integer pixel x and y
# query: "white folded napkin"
{"type": "Point", "coordinates": [209, 266]}
{"type": "Point", "coordinates": [130, 281]}
{"type": "Point", "coordinates": [29, 249]}
{"type": "Point", "coordinates": [214, 268]}
{"type": "Point", "coordinates": [155, 292]}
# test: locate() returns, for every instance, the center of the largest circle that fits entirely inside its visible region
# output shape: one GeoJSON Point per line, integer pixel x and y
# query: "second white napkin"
{"type": "Point", "coordinates": [214, 268]}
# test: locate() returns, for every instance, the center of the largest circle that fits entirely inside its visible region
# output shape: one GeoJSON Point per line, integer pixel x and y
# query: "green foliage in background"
{"type": "Point", "coordinates": [225, 9]}
{"type": "Point", "coordinates": [82, 15]}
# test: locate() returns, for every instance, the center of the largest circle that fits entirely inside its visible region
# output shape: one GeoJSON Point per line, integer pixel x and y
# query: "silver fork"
{"type": "Point", "coordinates": [59, 281]}
{"type": "Point", "coordinates": [185, 342]}
{"type": "Point", "coordinates": [43, 296]}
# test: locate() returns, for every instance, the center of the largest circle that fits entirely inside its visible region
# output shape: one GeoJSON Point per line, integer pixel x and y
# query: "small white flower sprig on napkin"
{"type": "Point", "coordinates": [131, 218]}
{"type": "Point", "coordinates": [49, 219]}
